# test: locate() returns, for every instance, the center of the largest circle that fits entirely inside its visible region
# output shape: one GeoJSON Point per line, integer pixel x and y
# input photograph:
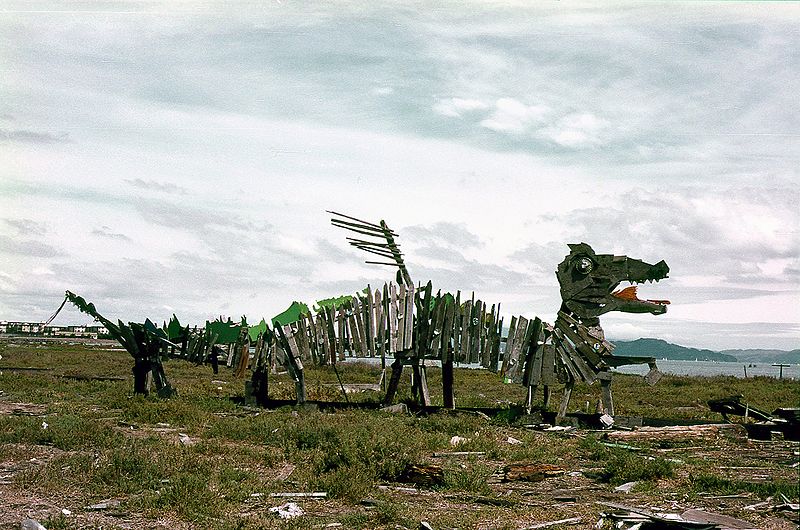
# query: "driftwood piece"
{"type": "Point", "coordinates": [531, 472]}
{"type": "Point", "coordinates": [679, 432]}
{"type": "Point", "coordinates": [423, 474]}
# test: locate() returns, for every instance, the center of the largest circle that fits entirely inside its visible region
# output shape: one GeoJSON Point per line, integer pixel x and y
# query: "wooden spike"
{"type": "Point", "coordinates": [376, 252]}
{"type": "Point", "coordinates": [352, 219]}
{"type": "Point", "coordinates": [381, 263]}
{"type": "Point", "coordinates": [362, 242]}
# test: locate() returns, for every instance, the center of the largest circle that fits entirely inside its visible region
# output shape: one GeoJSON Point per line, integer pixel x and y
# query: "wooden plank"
{"type": "Point", "coordinates": [394, 381]}
{"type": "Point", "coordinates": [423, 321]}
{"type": "Point", "coordinates": [341, 324]}
{"type": "Point", "coordinates": [533, 356]}
{"type": "Point", "coordinates": [392, 302]}
{"type": "Point", "coordinates": [312, 339]}
{"type": "Point", "coordinates": [519, 342]}
{"type": "Point", "coordinates": [496, 348]}
{"type": "Point", "coordinates": [358, 314]}
{"type": "Point", "coordinates": [369, 322]}
{"type": "Point", "coordinates": [485, 350]}
{"type": "Point", "coordinates": [548, 365]}
{"type": "Point", "coordinates": [353, 332]}
{"type": "Point", "coordinates": [302, 339]}
{"type": "Point", "coordinates": [587, 374]}
{"type": "Point", "coordinates": [512, 329]}
{"type": "Point", "coordinates": [572, 370]}
{"type": "Point", "coordinates": [578, 342]}
{"type": "Point", "coordinates": [401, 317]}
{"type": "Point", "coordinates": [328, 334]}
{"type": "Point", "coordinates": [380, 327]}
{"type": "Point", "coordinates": [465, 323]}
{"type": "Point", "coordinates": [448, 395]}
{"type": "Point", "coordinates": [474, 331]}
{"type": "Point", "coordinates": [524, 346]}
{"type": "Point", "coordinates": [491, 333]}
{"type": "Point", "coordinates": [447, 333]}
{"type": "Point", "coordinates": [421, 384]}
{"type": "Point", "coordinates": [408, 342]}
{"type": "Point", "coordinates": [320, 338]}
{"type": "Point", "coordinates": [436, 329]}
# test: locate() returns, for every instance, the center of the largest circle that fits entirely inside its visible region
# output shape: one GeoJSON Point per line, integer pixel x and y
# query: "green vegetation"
{"type": "Point", "coordinates": [199, 459]}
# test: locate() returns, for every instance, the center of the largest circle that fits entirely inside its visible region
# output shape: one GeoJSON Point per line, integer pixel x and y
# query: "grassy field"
{"type": "Point", "coordinates": [201, 461]}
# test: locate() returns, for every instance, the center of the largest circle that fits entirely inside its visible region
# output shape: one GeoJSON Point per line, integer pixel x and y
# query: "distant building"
{"type": "Point", "coordinates": [38, 330]}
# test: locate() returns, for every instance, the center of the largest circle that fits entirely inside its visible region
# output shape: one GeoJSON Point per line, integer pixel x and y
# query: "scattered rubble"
{"type": "Point", "coordinates": [289, 510]}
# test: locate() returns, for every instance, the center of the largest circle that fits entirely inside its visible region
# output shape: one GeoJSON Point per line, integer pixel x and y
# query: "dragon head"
{"type": "Point", "coordinates": [589, 282]}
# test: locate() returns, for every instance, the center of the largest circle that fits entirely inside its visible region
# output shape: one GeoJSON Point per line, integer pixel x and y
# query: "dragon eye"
{"type": "Point", "coordinates": [585, 265]}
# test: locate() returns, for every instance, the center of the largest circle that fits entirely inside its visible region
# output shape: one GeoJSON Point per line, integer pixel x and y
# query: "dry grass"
{"type": "Point", "coordinates": [102, 443]}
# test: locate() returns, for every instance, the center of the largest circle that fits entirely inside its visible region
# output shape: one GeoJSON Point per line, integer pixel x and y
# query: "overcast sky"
{"type": "Point", "coordinates": [179, 157]}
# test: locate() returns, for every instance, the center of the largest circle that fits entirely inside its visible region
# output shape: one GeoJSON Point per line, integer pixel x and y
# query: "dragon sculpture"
{"type": "Point", "coordinates": [575, 345]}
{"type": "Point", "coordinates": [572, 350]}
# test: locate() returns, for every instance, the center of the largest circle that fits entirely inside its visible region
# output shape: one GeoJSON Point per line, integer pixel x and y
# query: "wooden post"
{"type": "Point", "coordinates": [394, 381]}
{"type": "Point", "coordinates": [562, 410]}
{"type": "Point", "coordinates": [529, 399]}
{"type": "Point", "coordinates": [421, 381]}
{"type": "Point", "coordinates": [780, 367]}
{"type": "Point", "coordinates": [605, 385]}
{"type": "Point", "coordinates": [448, 397]}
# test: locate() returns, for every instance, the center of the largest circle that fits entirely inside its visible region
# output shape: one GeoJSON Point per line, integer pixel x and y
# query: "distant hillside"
{"type": "Point", "coordinates": [766, 356]}
{"type": "Point", "coordinates": [661, 349]}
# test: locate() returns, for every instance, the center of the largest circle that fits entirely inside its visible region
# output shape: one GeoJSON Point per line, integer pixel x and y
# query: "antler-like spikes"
{"type": "Point", "coordinates": [386, 247]}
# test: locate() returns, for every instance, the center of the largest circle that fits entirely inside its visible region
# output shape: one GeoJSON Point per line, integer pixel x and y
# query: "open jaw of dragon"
{"type": "Point", "coordinates": [589, 284]}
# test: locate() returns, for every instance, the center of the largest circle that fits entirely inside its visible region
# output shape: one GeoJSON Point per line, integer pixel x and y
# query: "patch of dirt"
{"type": "Point", "coordinates": [22, 409]}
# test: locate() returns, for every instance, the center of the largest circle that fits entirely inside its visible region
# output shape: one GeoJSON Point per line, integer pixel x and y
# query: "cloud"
{"type": "Point", "coordinates": [457, 107]}
{"type": "Point", "coordinates": [27, 247]}
{"type": "Point", "coordinates": [106, 232]}
{"type": "Point", "coordinates": [152, 185]}
{"type": "Point", "coordinates": [512, 116]}
{"type": "Point", "coordinates": [576, 130]}
{"type": "Point", "coordinates": [33, 137]}
{"type": "Point", "coordinates": [26, 226]}
{"type": "Point", "coordinates": [443, 234]}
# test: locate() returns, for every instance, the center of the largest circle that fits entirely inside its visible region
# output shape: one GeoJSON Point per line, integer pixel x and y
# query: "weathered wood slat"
{"type": "Point", "coordinates": [422, 329]}
{"type": "Point", "coordinates": [409, 317]}
{"type": "Point", "coordinates": [512, 330]}
{"type": "Point", "coordinates": [369, 322]}
{"type": "Point", "coordinates": [587, 374]}
{"type": "Point", "coordinates": [393, 303]}
{"type": "Point", "coordinates": [380, 327]}
{"type": "Point", "coordinates": [566, 362]}
{"type": "Point", "coordinates": [474, 332]}
{"type": "Point", "coordinates": [353, 332]}
{"type": "Point", "coordinates": [579, 343]}
{"type": "Point", "coordinates": [466, 316]}
{"type": "Point", "coordinates": [519, 342]}
{"type": "Point", "coordinates": [548, 365]}
{"type": "Point", "coordinates": [532, 367]}
{"type": "Point", "coordinates": [436, 328]}
{"type": "Point", "coordinates": [447, 333]}
{"type": "Point", "coordinates": [401, 317]}
{"type": "Point", "coordinates": [358, 314]}
{"type": "Point", "coordinates": [341, 325]}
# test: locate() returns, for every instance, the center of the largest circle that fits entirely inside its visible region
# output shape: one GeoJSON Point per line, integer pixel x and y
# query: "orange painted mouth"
{"type": "Point", "coordinates": [629, 293]}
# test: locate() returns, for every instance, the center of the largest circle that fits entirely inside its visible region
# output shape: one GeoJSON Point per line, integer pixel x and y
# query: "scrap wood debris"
{"type": "Point", "coordinates": [630, 518]}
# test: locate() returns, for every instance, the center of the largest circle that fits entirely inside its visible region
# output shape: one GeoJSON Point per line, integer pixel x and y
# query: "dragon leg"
{"type": "Point", "coordinates": [562, 410]}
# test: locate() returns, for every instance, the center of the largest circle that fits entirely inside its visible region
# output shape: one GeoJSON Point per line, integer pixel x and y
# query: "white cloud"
{"type": "Point", "coordinates": [512, 116]}
{"type": "Point", "coordinates": [457, 107]}
{"type": "Point", "coordinates": [576, 130]}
